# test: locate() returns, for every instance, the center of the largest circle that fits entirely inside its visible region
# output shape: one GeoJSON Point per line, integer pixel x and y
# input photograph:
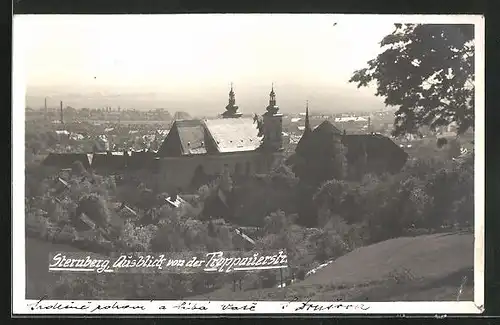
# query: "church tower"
{"type": "Point", "coordinates": [231, 107]}
{"type": "Point", "coordinates": [302, 146]}
{"type": "Point", "coordinates": [272, 125]}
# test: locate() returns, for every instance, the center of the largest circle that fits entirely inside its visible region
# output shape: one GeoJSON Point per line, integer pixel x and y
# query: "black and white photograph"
{"type": "Point", "coordinates": [319, 160]}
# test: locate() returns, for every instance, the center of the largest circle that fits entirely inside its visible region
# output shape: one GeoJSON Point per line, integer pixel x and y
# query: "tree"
{"type": "Point", "coordinates": [94, 206]}
{"type": "Point", "coordinates": [428, 71]}
{"type": "Point", "coordinates": [441, 142]}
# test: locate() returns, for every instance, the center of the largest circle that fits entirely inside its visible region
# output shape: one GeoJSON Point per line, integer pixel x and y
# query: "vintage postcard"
{"type": "Point", "coordinates": [248, 164]}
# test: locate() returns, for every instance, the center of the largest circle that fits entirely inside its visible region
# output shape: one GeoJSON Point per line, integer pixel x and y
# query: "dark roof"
{"type": "Point", "coordinates": [65, 160]}
{"type": "Point", "coordinates": [192, 137]}
{"type": "Point", "coordinates": [186, 137]}
{"type": "Point", "coordinates": [326, 127]}
{"type": "Point", "coordinates": [377, 147]}
{"type": "Point", "coordinates": [234, 114]}
{"type": "Point", "coordinates": [141, 160]}
{"type": "Point", "coordinates": [382, 154]}
{"type": "Point", "coordinates": [112, 160]}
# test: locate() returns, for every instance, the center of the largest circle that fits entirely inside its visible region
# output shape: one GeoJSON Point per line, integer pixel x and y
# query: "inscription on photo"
{"type": "Point", "coordinates": [212, 262]}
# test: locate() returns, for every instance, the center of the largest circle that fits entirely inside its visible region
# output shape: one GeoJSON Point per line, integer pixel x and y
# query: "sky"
{"type": "Point", "coordinates": [188, 61]}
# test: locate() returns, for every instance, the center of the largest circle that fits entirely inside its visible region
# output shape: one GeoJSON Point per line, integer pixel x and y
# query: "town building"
{"type": "Point", "coordinates": [370, 153]}
{"type": "Point", "coordinates": [197, 150]}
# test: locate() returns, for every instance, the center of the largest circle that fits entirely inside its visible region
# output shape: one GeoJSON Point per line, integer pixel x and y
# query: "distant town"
{"type": "Point", "coordinates": [118, 129]}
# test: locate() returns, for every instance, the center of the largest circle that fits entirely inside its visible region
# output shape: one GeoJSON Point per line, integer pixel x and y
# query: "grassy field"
{"type": "Point", "coordinates": [38, 276]}
{"type": "Point", "coordinates": [429, 267]}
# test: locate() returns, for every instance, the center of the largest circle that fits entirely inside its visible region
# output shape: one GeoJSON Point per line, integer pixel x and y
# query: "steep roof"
{"type": "Point", "coordinates": [196, 137]}
{"type": "Point", "coordinates": [186, 137]}
{"type": "Point", "coordinates": [381, 152]}
{"type": "Point", "coordinates": [233, 135]}
{"type": "Point", "coordinates": [192, 137]}
{"type": "Point", "coordinates": [326, 127]}
{"type": "Point", "coordinates": [377, 147]}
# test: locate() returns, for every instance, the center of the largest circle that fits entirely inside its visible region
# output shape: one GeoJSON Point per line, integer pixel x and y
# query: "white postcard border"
{"type": "Point", "coordinates": [20, 305]}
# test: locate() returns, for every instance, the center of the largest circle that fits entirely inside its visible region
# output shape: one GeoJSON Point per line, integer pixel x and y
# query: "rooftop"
{"type": "Point", "coordinates": [233, 135]}
{"type": "Point", "coordinates": [197, 137]}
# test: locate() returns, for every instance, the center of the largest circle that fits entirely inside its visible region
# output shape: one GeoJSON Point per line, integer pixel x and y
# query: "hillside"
{"type": "Point", "coordinates": [38, 276]}
{"type": "Point", "coordinates": [430, 267]}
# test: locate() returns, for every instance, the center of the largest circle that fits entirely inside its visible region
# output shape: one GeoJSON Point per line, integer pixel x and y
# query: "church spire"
{"type": "Point", "coordinates": [232, 99]}
{"type": "Point", "coordinates": [272, 108]}
{"type": "Point", "coordinates": [231, 108]}
{"type": "Point", "coordinates": [303, 145]}
{"type": "Point", "coordinates": [307, 128]}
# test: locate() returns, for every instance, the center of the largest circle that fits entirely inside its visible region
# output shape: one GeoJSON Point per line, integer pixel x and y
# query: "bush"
{"type": "Point", "coordinates": [136, 238]}
{"type": "Point", "coordinates": [261, 195]}
{"type": "Point", "coordinates": [37, 225]}
{"type": "Point", "coordinates": [331, 241]}
{"type": "Point", "coordinates": [441, 142]}
{"type": "Point", "coordinates": [67, 234]}
{"type": "Point", "coordinates": [426, 195]}
{"type": "Point", "coordinates": [276, 222]}
{"type": "Point", "coordinates": [95, 207]}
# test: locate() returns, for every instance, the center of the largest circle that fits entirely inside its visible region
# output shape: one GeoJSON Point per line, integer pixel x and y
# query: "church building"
{"type": "Point", "coordinates": [196, 150]}
{"type": "Point", "coordinates": [364, 153]}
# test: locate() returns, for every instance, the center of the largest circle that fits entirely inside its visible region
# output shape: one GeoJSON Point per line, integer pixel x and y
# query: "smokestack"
{"type": "Point", "coordinates": [46, 112]}
{"type": "Point", "coordinates": [62, 117]}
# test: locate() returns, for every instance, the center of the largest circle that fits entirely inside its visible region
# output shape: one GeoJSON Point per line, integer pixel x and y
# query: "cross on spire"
{"type": "Point", "coordinates": [272, 99]}
{"type": "Point", "coordinates": [231, 108]}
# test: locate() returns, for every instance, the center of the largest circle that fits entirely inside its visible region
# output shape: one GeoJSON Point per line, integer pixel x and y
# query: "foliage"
{"type": "Point", "coordinates": [276, 222]}
{"type": "Point", "coordinates": [441, 142]}
{"type": "Point", "coordinates": [96, 209]}
{"type": "Point", "coordinates": [427, 70]}
{"type": "Point", "coordinates": [425, 196]}
{"type": "Point", "coordinates": [38, 225]}
{"type": "Point", "coordinates": [137, 239]}
{"type": "Point", "coordinates": [263, 194]}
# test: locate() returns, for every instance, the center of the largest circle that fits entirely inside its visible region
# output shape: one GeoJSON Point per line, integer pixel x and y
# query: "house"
{"type": "Point", "coordinates": [66, 160]}
{"type": "Point", "coordinates": [108, 161]}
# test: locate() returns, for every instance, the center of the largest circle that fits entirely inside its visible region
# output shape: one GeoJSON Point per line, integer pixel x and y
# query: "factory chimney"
{"type": "Point", "coordinates": [62, 117]}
